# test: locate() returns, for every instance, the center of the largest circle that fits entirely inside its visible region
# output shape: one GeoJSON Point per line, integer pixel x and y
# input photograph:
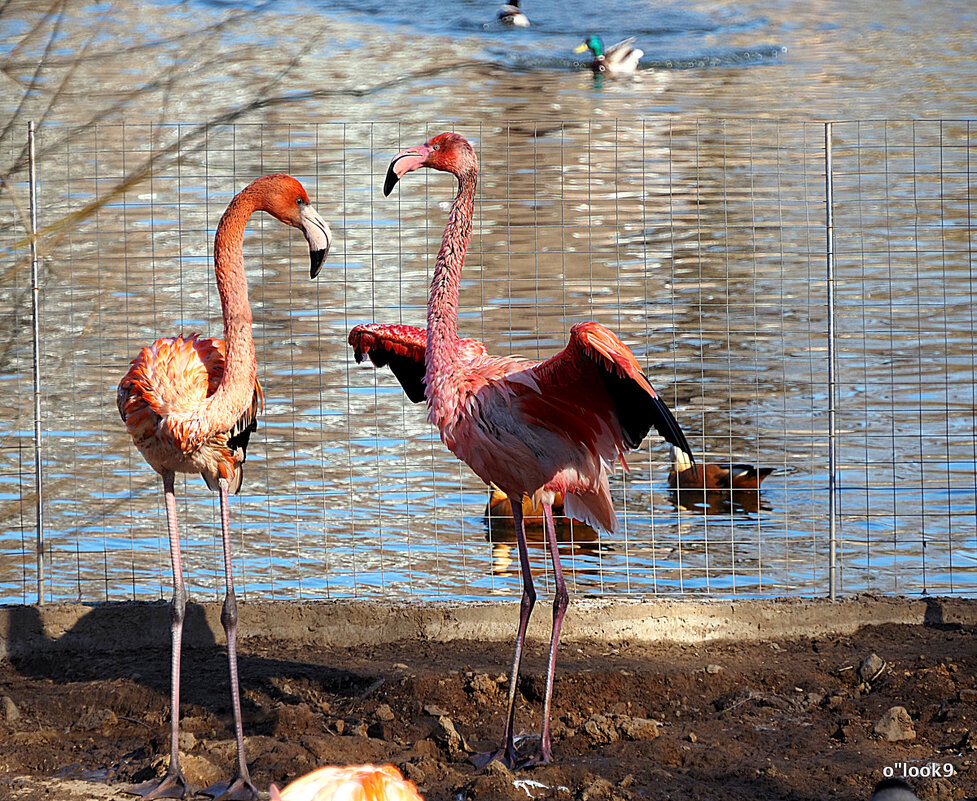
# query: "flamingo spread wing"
{"type": "Point", "coordinates": [403, 348]}
{"type": "Point", "coordinates": [596, 353]}
{"type": "Point", "coordinates": [593, 394]}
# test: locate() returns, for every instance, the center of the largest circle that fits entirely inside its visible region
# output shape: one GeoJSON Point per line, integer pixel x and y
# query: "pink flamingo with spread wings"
{"type": "Point", "coordinates": [191, 404]}
{"type": "Point", "coordinates": [531, 428]}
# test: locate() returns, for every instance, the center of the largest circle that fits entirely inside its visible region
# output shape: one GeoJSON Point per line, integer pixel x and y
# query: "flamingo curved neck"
{"type": "Point", "coordinates": [442, 309]}
{"type": "Point", "coordinates": [231, 399]}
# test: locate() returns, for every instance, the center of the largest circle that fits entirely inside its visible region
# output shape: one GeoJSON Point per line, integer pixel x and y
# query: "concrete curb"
{"type": "Point", "coordinates": [125, 626]}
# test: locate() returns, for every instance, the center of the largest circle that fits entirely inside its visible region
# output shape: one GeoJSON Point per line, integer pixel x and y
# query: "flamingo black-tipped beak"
{"type": "Point", "coordinates": [317, 257]}
{"type": "Point", "coordinates": [404, 162]}
{"type": "Point", "coordinates": [390, 181]}
{"type": "Point", "coordinates": [319, 237]}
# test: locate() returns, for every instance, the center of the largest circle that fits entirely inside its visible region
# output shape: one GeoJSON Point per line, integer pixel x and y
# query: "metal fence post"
{"type": "Point", "coordinates": [829, 264]}
{"type": "Point", "coordinates": [35, 314]}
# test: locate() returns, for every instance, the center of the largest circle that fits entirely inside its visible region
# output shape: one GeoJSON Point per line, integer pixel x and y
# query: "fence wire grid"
{"type": "Point", "coordinates": [702, 243]}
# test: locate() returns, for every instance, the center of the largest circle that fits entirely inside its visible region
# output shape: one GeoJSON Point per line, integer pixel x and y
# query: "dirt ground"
{"type": "Point", "coordinates": [770, 720]}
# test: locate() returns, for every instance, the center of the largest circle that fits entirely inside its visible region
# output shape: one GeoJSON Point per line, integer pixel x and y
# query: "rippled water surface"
{"type": "Point", "coordinates": [683, 207]}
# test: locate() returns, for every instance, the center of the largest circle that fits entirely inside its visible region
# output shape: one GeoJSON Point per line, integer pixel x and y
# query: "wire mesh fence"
{"type": "Point", "coordinates": [700, 242]}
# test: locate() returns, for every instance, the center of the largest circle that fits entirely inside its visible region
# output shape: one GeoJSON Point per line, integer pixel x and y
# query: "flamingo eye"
{"type": "Point", "coordinates": [436, 147]}
{"type": "Point", "coordinates": [300, 202]}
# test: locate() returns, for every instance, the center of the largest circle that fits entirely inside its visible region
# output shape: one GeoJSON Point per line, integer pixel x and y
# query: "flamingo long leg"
{"type": "Point", "coordinates": [561, 600]}
{"type": "Point", "coordinates": [507, 750]}
{"type": "Point", "coordinates": [173, 784]}
{"type": "Point", "coordinates": [240, 788]}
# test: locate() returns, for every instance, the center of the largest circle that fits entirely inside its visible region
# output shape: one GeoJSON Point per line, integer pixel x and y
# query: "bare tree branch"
{"type": "Point", "coordinates": [35, 78]}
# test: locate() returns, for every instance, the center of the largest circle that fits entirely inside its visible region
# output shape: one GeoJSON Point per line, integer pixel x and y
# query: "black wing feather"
{"type": "Point", "coordinates": [638, 412]}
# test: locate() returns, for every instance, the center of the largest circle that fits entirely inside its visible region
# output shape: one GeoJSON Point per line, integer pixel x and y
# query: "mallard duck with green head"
{"type": "Point", "coordinates": [619, 59]}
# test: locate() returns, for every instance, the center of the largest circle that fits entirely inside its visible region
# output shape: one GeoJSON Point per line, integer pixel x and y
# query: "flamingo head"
{"type": "Point", "coordinates": [363, 782]}
{"type": "Point", "coordinates": [286, 199]}
{"type": "Point", "coordinates": [448, 152]}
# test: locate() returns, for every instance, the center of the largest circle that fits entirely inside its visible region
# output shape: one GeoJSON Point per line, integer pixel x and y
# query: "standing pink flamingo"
{"type": "Point", "coordinates": [190, 405]}
{"type": "Point", "coordinates": [531, 428]}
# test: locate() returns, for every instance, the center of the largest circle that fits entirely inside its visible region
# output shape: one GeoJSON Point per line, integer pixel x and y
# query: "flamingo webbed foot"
{"type": "Point", "coordinates": [238, 789]}
{"type": "Point", "coordinates": [541, 756]}
{"type": "Point", "coordinates": [172, 785]}
{"type": "Point", "coordinates": [505, 754]}
{"type": "Point", "coordinates": [516, 754]}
